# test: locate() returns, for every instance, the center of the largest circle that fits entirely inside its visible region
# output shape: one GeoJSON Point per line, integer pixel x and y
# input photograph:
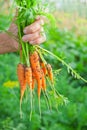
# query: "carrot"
{"type": "Point", "coordinates": [50, 73]}
{"type": "Point", "coordinates": [33, 80]}
{"type": "Point", "coordinates": [33, 83]}
{"type": "Point", "coordinates": [21, 78]}
{"type": "Point", "coordinates": [28, 76]}
{"type": "Point", "coordinates": [43, 82]}
{"type": "Point", "coordinates": [39, 81]}
{"type": "Point", "coordinates": [20, 52]}
{"type": "Point", "coordinates": [43, 68]}
{"type": "Point", "coordinates": [35, 64]}
{"type": "Point", "coordinates": [38, 77]}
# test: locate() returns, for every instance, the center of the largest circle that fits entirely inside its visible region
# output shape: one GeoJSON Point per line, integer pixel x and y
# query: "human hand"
{"type": "Point", "coordinates": [34, 33]}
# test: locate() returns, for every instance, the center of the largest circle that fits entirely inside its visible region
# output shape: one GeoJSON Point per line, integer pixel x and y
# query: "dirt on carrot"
{"type": "Point", "coordinates": [35, 64]}
{"type": "Point", "coordinates": [50, 73]}
{"type": "Point", "coordinates": [28, 76]}
{"type": "Point", "coordinates": [44, 67]}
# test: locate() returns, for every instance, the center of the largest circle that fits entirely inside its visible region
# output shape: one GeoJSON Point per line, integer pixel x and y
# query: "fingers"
{"type": "Point", "coordinates": [39, 40]}
{"type": "Point", "coordinates": [35, 38]}
{"type": "Point", "coordinates": [29, 37]}
{"type": "Point", "coordinates": [34, 27]}
{"type": "Point", "coordinates": [13, 29]}
{"type": "Point", "coordinates": [34, 33]}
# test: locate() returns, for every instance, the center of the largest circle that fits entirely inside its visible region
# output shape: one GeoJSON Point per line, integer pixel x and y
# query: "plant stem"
{"type": "Point", "coordinates": [27, 53]}
{"type": "Point", "coordinates": [21, 42]}
{"type": "Point", "coordinates": [64, 63]}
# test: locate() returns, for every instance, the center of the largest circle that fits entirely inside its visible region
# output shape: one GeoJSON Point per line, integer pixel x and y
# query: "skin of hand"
{"type": "Point", "coordinates": [34, 33]}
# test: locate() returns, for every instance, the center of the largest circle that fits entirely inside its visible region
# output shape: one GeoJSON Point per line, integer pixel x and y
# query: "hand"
{"type": "Point", "coordinates": [34, 33]}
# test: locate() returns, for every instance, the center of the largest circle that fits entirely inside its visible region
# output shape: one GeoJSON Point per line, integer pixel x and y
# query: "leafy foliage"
{"type": "Point", "coordinates": [72, 116]}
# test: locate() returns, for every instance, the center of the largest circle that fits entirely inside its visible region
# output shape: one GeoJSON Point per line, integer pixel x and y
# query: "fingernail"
{"type": "Point", "coordinates": [24, 31]}
{"type": "Point", "coordinates": [24, 38]}
{"type": "Point", "coordinates": [42, 22]}
{"type": "Point", "coordinates": [31, 42]}
{"type": "Point", "coordinates": [37, 17]}
{"type": "Point", "coordinates": [36, 26]}
{"type": "Point", "coordinates": [42, 30]}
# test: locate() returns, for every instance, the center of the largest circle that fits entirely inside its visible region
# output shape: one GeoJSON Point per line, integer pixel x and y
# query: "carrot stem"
{"type": "Point", "coordinates": [39, 107]}
{"type": "Point", "coordinates": [41, 56]}
{"type": "Point", "coordinates": [31, 103]}
{"type": "Point", "coordinates": [24, 53]}
{"type": "Point", "coordinates": [64, 63]}
{"type": "Point", "coordinates": [20, 111]}
{"type": "Point", "coordinates": [27, 53]}
{"type": "Point", "coordinates": [50, 106]}
{"type": "Point", "coordinates": [47, 102]}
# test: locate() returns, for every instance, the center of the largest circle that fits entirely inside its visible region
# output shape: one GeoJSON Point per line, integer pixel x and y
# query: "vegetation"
{"type": "Point", "coordinates": [70, 46]}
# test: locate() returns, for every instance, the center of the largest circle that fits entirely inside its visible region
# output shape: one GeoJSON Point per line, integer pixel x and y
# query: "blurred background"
{"type": "Point", "coordinates": [68, 41]}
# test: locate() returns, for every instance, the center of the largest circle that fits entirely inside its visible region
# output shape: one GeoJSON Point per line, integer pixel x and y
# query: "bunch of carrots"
{"type": "Point", "coordinates": [33, 74]}
{"type": "Point", "coordinates": [32, 70]}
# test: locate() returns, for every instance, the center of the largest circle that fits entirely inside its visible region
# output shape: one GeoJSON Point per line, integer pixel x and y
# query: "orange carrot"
{"type": "Point", "coordinates": [28, 76]}
{"type": "Point", "coordinates": [43, 68]}
{"type": "Point", "coordinates": [35, 64]}
{"type": "Point", "coordinates": [33, 83]}
{"type": "Point", "coordinates": [43, 82]}
{"type": "Point", "coordinates": [20, 52]}
{"type": "Point", "coordinates": [33, 75]}
{"type": "Point", "coordinates": [34, 60]}
{"type": "Point", "coordinates": [33, 80]}
{"type": "Point", "coordinates": [39, 86]}
{"type": "Point", "coordinates": [50, 73]}
{"type": "Point", "coordinates": [21, 78]}
{"type": "Point", "coordinates": [38, 77]}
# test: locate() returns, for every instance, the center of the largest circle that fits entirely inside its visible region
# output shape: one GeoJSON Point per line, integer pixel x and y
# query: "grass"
{"type": "Point", "coordinates": [69, 117]}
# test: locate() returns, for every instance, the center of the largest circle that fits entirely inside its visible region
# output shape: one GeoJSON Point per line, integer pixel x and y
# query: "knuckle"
{"type": "Point", "coordinates": [32, 30]}
{"type": "Point", "coordinates": [29, 38]}
{"type": "Point", "coordinates": [37, 34]}
{"type": "Point", "coordinates": [37, 41]}
{"type": "Point", "coordinates": [42, 21]}
{"type": "Point", "coordinates": [45, 37]}
{"type": "Point", "coordinates": [42, 29]}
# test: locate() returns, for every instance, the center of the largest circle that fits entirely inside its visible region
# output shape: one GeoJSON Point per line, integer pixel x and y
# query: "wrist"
{"type": "Point", "coordinates": [7, 44]}
{"type": "Point", "coordinates": [13, 30]}
{"type": "Point", "coordinates": [13, 45]}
